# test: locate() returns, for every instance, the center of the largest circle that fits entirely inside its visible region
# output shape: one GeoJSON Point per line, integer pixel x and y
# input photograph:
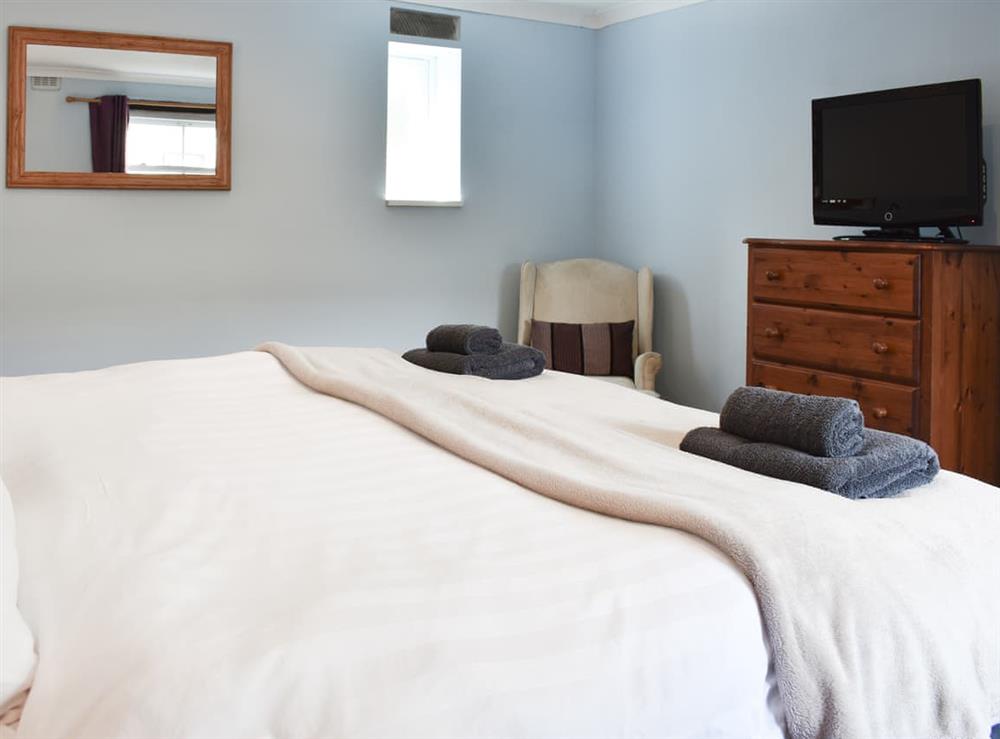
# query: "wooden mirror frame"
{"type": "Point", "coordinates": [17, 72]}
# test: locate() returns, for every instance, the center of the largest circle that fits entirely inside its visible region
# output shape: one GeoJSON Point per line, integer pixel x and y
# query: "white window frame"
{"type": "Point", "coordinates": [444, 120]}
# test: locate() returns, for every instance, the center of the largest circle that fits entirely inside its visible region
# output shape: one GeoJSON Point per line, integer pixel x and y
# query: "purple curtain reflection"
{"type": "Point", "coordinates": [108, 125]}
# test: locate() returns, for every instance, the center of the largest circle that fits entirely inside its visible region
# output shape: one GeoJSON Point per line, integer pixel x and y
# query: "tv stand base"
{"type": "Point", "coordinates": [944, 235]}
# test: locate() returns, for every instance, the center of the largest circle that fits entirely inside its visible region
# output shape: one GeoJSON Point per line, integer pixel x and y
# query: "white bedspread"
{"type": "Point", "coordinates": [210, 549]}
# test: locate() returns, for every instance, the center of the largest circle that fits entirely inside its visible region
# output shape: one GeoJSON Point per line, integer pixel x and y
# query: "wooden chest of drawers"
{"type": "Point", "coordinates": [910, 330]}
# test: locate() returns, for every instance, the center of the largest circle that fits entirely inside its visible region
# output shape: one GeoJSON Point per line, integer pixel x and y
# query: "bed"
{"type": "Point", "coordinates": [234, 547]}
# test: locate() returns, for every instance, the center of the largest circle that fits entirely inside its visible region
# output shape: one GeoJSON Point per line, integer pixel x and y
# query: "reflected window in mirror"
{"type": "Point", "coordinates": [73, 128]}
{"type": "Point", "coordinates": [170, 142]}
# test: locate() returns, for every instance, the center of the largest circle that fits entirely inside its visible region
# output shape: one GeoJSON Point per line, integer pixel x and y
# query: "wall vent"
{"type": "Point", "coordinates": [46, 83]}
{"type": "Point", "coordinates": [424, 25]}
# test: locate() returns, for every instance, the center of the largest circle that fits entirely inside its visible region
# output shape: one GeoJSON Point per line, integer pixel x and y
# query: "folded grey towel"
{"type": "Point", "coordinates": [464, 338]}
{"type": "Point", "coordinates": [887, 464]}
{"type": "Point", "coordinates": [512, 362]}
{"type": "Point", "coordinates": [826, 427]}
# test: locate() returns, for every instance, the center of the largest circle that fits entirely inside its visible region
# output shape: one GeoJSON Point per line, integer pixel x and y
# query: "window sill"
{"type": "Point", "coordinates": [424, 203]}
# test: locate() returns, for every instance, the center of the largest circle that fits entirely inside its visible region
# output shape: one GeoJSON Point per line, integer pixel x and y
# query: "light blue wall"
{"type": "Point", "coordinates": [57, 133]}
{"type": "Point", "coordinates": [704, 138]}
{"type": "Point", "coordinates": [698, 123]}
{"type": "Point", "coordinates": [303, 249]}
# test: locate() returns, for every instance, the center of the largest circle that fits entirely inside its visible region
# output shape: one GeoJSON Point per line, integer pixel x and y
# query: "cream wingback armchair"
{"type": "Point", "coordinates": [593, 291]}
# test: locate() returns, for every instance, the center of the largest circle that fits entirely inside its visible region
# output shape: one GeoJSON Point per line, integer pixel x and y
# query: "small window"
{"type": "Point", "coordinates": [170, 143]}
{"type": "Point", "coordinates": [423, 157]}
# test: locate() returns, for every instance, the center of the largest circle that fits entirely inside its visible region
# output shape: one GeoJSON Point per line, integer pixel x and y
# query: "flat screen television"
{"type": "Point", "coordinates": [900, 159]}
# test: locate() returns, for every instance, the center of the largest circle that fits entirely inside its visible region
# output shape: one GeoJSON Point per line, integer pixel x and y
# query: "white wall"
{"type": "Point", "coordinates": [704, 138]}
{"type": "Point", "coordinates": [303, 249]}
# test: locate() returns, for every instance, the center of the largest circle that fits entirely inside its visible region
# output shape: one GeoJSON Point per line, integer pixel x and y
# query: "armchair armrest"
{"type": "Point", "coordinates": [647, 367]}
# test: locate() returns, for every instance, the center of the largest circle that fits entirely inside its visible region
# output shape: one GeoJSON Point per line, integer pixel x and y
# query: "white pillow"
{"type": "Point", "coordinates": [17, 645]}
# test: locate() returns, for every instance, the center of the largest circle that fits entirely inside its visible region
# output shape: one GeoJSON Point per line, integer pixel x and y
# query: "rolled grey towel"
{"type": "Point", "coordinates": [512, 362]}
{"type": "Point", "coordinates": [819, 425]}
{"type": "Point", "coordinates": [464, 338]}
{"type": "Point", "coordinates": [886, 465]}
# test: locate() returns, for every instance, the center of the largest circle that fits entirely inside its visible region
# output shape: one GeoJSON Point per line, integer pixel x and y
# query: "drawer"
{"type": "Point", "coordinates": [875, 346]}
{"type": "Point", "coordinates": [879, 282]}
{"type": "Point", "coordinates": [887, 407]}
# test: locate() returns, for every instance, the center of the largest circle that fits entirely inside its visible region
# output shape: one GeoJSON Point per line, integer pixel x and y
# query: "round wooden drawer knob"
{"type": "Point", "coordinates": [772, 276]}
{"type": "Point", "coordinates": [880, 283]}
{"type": "Point", "coordinates": [880, 413]}
{"type": "Point", "coordinates": [771, 333]}
{"type": "Point", "coordinates": [879, 348]}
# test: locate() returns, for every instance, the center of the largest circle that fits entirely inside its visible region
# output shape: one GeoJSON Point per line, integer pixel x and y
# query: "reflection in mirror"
{"type": "Point", "coordinates": [114, 110]}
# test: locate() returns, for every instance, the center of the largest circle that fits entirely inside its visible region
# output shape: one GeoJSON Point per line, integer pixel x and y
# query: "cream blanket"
{"type": "Point", "coordinates": [883, 616]}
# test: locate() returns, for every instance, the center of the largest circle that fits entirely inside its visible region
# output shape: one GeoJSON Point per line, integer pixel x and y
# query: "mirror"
{"type": "Point", "coordinates": [110, 110]}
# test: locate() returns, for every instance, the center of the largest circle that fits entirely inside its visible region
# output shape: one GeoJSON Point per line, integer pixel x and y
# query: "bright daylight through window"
{"type": "Point", "coordinates": [423, 158]}
{"type": "Point", "coordinates": [170, 143]}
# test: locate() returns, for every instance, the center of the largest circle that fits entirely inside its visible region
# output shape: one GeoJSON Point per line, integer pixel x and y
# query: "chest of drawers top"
{"type": "Point", "coordinates": [868, 245]}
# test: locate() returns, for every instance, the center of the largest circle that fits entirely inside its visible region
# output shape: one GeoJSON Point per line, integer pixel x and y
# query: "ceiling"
{"type": "Point", "coordinates": [584, 13]}
{"type": "Point", "coordinates": [591, 6]}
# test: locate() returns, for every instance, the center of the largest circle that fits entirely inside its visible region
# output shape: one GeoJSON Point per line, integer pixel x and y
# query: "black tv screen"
{"type": "Point", "coordinates": [899, 158]}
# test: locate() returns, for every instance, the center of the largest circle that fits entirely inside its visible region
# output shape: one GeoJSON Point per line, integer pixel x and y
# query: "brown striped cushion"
{"type": "Point", "coordinates": [585, 348]}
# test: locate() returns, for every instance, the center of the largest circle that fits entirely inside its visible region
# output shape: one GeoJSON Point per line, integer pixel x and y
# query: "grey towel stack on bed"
{"type": "Point", "coordinates": [813, 440]}
{"type": "Point", "coordinates": [464, 338]}
{"type": "Point", "coordinates": [815, 424]}
{"type": "Point", "coordinates": [886, 465]}
{"type": "Point", "coordinates": [476, 350]}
